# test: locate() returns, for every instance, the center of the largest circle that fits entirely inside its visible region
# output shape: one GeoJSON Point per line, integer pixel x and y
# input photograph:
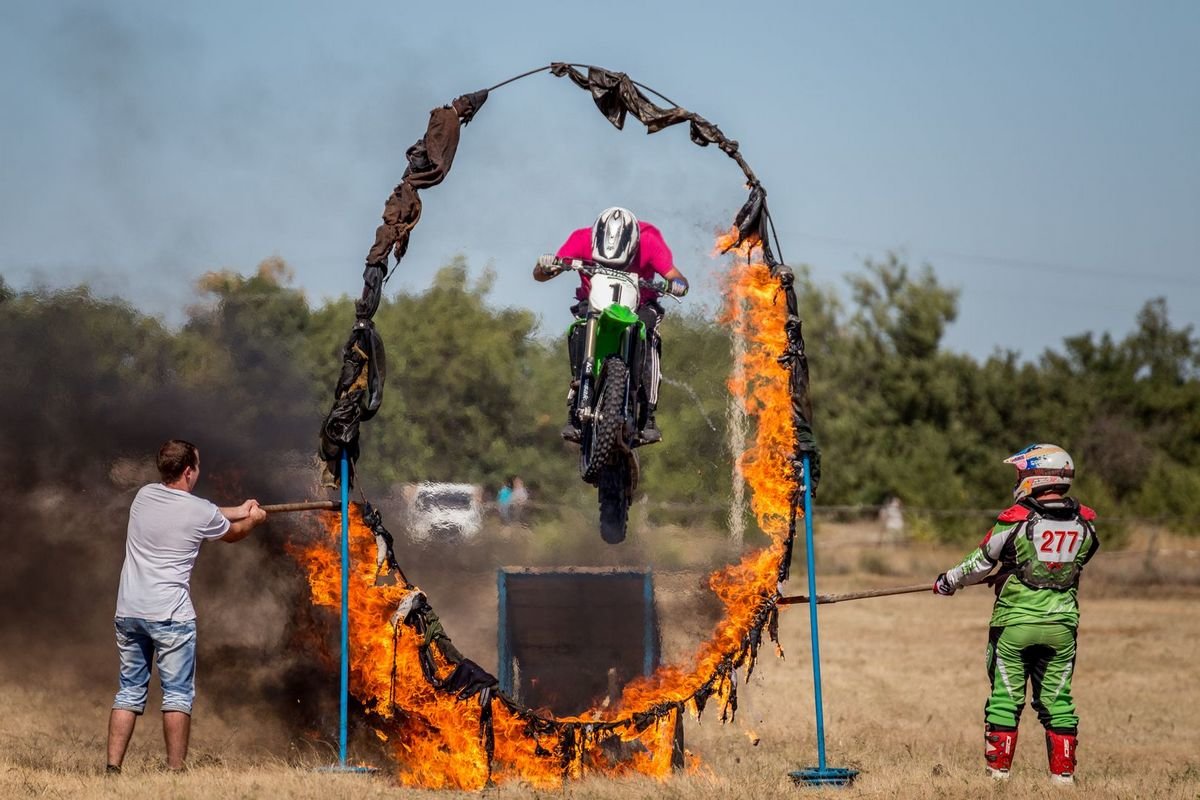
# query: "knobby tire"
{"type": "Point", "coordinates": [608, 466]}
{"type": "Point", "coordinates": [608, 421]}
{"type": "Point", "coordinates": [614, 501]}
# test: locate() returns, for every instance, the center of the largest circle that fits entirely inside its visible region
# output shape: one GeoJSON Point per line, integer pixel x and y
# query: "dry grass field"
{"type": "Point", "coordinates": [904, 690]}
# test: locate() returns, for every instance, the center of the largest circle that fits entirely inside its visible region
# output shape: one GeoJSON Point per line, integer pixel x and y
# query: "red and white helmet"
{"type": "Point", "coordinates": [615, 238]}
{"type": "Point", "coordinates": [1041, 467]}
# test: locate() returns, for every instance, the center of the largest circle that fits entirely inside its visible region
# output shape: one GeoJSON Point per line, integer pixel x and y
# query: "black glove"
{"type": "Point", "coordinates": [942, 586]}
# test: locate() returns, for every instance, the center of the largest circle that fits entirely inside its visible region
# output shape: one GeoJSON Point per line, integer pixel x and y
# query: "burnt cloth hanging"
{"type": "Point", "coordinates": [359, 390]}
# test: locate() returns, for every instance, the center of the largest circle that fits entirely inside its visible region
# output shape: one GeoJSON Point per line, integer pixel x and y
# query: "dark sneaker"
{"type": "Point", "coordinates": [570, 433]}
{"type": "Point", "coordinates": [649, 434]}
{"type": "Point", "coordinates": [112, 769]}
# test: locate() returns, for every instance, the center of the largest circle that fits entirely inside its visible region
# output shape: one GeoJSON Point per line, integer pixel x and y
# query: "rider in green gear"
{"type": "Point", "coordinates": [1038, 548]}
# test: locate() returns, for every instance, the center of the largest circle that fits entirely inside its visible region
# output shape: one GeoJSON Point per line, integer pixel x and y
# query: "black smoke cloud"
{"type": "Point", "coordinates": [90, 389]}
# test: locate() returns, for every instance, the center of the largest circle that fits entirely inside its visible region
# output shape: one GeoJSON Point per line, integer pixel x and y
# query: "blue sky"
{"type": "Point", "coordinates": [1041, 156]}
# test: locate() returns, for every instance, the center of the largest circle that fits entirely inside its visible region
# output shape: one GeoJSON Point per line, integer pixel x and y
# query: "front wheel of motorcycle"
{"type": "Point", "coordinates": [601, 444]}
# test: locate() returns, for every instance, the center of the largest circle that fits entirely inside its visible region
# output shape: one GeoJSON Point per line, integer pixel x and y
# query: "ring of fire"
{"type": "Point", "coordinates": [444, 732]}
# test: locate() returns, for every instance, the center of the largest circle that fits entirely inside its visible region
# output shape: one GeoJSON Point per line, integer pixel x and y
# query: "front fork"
{"type": "Point", "coordinates": [583, 401]}
{"type": "Point", "coordinates": [636, 352]}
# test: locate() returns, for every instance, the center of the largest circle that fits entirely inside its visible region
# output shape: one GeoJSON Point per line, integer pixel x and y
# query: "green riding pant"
{"type": "Point", "coordinates": [1039, 653]}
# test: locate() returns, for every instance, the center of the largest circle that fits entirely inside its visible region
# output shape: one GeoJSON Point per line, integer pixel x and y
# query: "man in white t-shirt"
{"type": "Point", "coordinates": [155, 621]}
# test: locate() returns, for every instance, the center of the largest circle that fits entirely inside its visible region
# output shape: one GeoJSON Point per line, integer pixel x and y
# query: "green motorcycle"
{"type": "Point", "coordinates": [606, 407]}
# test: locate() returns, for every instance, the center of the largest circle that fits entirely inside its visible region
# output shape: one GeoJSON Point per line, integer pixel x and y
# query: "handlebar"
{"type": "Point", "coordinates": [588, 268]}
{"type": "Point", "coordinates": [577, 265]}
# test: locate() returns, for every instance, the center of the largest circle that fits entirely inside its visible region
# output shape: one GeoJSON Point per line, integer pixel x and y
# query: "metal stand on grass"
{"type": "Point", "coordinates": [820, 775]}
{"type": "Point", "coordinates": [344, 641]}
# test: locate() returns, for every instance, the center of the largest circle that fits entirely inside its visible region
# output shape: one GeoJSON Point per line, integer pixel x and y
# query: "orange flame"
{"type": "Point", "coordinates": [435, 738]}
{"type": "Point", "coordinates": [752, 313]}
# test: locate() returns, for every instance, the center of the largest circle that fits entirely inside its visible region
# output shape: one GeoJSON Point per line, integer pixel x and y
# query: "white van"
{"type": "Point", "coordinates": [442, 510]}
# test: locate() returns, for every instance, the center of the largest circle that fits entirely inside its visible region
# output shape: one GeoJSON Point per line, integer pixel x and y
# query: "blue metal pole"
{"type": "Point", "coordinates": [345, 643]}
{"type": "Point", "coordinates": [649, 640]}
{"type": "Point", "coordinates": [820, 775]}
{"type": "Point", "coordinates": [812, 611]}
{"type": "Point", "coordinates": [503, 646]}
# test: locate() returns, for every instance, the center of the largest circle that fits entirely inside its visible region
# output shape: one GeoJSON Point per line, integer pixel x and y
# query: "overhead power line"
{"type": "Point", "coordinates": [1014, 263]}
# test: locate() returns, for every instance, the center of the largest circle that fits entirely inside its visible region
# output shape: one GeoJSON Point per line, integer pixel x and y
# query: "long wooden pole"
{"type": "Point", "coordinates": [841, 598]}
{"type": "Point", "coordinates": [314, 505]}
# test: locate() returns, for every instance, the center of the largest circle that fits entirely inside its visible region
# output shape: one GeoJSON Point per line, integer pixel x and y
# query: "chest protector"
{"type": "Point", "coordinates": [1049, 551]}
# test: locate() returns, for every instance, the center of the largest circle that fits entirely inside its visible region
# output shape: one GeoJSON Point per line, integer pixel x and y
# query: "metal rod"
{"type": "Point", "coordinates": [314, 505]}
{"type": "Point", "coordinates": [840, 598]}
{"type": "Point", "coordinates": [812, 610]}
{"type": "Point", "coordinates": [345, 643]}
{"type": "Point", "coordinates": [518, 77]}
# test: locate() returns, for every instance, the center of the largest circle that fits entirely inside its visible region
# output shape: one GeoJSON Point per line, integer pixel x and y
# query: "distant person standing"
{"type": "Point", "coordinates": [504, 502]}
{"type": "Point", "coordinates": [891, 521]}
{"type": "Point", "coordinates": [1040, 545]}
{"type": "Point", "coordinates": [155, 621]}
{"type": "Point", "coordinates": [518, 499]}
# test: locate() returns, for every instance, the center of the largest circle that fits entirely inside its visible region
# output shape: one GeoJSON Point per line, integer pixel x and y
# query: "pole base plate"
{"type": "Point", "coordinates": [826, 776]}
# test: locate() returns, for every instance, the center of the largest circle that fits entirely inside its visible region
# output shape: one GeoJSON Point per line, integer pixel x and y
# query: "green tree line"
{"type": "Point", "coordinates": [476, 392]}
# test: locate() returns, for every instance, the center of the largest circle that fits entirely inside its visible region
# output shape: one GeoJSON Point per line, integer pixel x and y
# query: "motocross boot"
{"type": "Point", "coordinates": [570, 431]}
{"type": "Point", "coordinates": [1060, 752]}
{"type": "Point", "coordinates": [649, 434]}
{"type": "Point", "coordinates": [998, 749]}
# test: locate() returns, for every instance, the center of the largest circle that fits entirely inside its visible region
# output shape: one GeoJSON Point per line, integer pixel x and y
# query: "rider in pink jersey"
{"type": "Point", "coordinates": [620, 241]}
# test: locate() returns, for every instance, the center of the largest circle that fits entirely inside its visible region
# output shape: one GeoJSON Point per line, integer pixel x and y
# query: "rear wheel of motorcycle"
{"type": "Point", "coordinates": [614, 501]}
{"type": "Point", "coordinates": [602, 435]}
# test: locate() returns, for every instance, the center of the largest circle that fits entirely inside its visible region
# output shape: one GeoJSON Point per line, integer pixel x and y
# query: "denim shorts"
{"type": "Point", "coordinates": [170, 644]}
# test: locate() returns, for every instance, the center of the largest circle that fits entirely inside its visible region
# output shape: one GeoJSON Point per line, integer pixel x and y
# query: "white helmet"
{"type": "Point", "coordinates": [1041, 467]}
{"type": "Point", "coordinates": [615, 238]}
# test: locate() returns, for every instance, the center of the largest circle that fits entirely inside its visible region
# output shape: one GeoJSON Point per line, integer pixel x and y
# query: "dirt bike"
{"type": "Point", "coordinates": [607, 409]}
